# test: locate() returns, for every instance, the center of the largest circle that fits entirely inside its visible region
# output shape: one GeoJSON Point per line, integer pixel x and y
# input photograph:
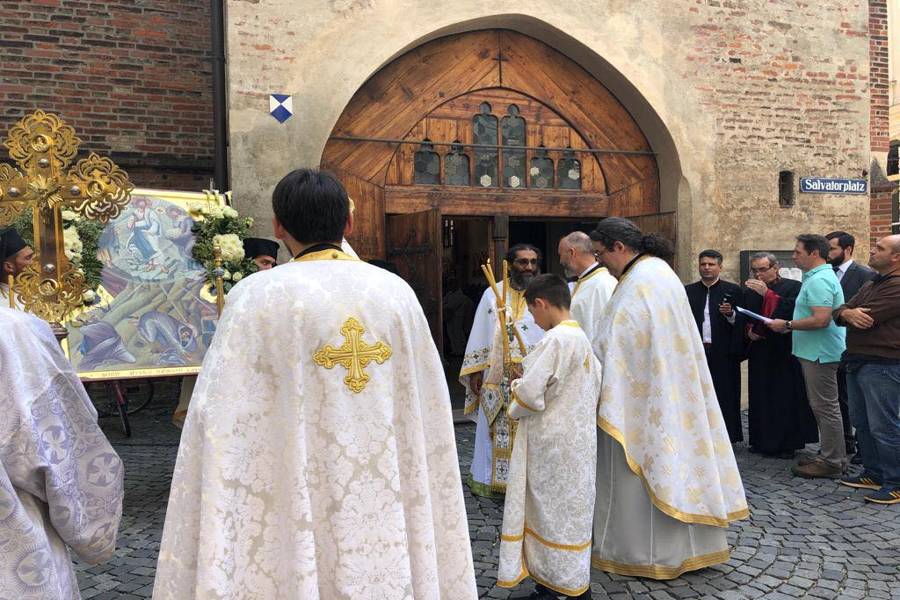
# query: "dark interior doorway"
{"type": "Point", "coordinates": [467, 243]}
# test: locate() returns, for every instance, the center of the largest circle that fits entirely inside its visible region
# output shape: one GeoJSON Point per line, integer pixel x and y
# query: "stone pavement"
{"type": "Point", "coordinates": [805, 539]}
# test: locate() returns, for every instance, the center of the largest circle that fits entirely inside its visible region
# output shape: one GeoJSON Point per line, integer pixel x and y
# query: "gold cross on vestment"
{"type": "Point", "coordinates": [43, 146]}
{"type": "Point", "coordinates": [353, 355]}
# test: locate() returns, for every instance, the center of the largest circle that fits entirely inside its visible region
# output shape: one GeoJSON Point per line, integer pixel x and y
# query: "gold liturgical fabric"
{"type": "Point", "coordinates": [294, 480]}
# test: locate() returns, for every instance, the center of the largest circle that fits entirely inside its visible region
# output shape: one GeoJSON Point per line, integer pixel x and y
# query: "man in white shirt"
{"type": "Point", "coordinates": [712, 300]}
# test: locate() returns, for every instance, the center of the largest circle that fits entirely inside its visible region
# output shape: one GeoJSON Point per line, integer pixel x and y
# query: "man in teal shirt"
{"type": "Point", "coordinates": [818, 344]}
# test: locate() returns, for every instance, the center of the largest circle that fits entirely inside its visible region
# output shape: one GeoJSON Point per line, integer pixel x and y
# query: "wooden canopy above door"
{"type": "Point", "coordinates": [436, 90]}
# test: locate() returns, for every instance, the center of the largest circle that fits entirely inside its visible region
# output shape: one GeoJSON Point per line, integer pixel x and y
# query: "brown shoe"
{"type": "Point", "coordinates": [816, 470]}
{"type": "Point", "coordinates": [808, 459]}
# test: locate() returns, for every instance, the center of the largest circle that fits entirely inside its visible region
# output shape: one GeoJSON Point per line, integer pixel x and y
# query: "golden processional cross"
{"type": "Point", "coordinates": [43, 146]}
{"type": "Point", "coordinates": [353, 355]}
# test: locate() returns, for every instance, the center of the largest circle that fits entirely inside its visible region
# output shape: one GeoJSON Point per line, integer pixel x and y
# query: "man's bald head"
{"type": "Point", "coordinates": [580, 242]}
{"type": "Point", "coordinates": [576, 253]}
{"type": "Point", "coordinates": [884, 256]}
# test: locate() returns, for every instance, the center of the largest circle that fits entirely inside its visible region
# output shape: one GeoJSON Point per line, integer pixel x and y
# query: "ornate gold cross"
{"type": "Point", "coordinates": [354, 355]}
{"type": "Point", "coordinates": [43, 146]}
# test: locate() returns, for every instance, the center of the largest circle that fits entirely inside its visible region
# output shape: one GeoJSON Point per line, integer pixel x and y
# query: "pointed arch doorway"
{"type": "Point", "coordinates": [470, 143]}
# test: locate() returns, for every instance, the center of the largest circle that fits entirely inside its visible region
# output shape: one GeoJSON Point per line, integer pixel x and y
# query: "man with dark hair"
{"type": "Point", "coordinates": [872, 358]}
{"type": "Point", "coordinates": [664, 509]}
{"type": "Point", "coordinates": [780, 420]}
{"type": "Point", "coordinates": [487, 389]}
{"type": "Point", "coordinates": [320, 437]}
{"type": "Point", "coordinates": [712, 302]}
{"type": "Point", "coordinates": [15, 255]}
{"type": "Point", "coordinates": [818, 344]}
{"type": "Point", "coordinates": [852, 276]}
{"type": "Point", "coordinates": [261, 251]}
{"type": "Point", "coordinates": [553, 469]}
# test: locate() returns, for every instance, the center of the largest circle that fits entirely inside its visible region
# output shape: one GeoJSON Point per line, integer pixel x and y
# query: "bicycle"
{"type": "Point", "coordinates": [122, 397]}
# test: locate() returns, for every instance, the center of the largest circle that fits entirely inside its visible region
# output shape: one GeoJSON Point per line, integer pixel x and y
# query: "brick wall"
{"type": "Point", "coordinates": [879, 118]}
{"type": "Point", "coordinates": [133, 77]}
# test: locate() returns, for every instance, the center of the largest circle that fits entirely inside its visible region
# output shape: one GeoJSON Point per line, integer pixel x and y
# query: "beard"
{"type": "Point", "coordinates": [519, 280]}
{"type": "Point", "coordinates": [836, 262]}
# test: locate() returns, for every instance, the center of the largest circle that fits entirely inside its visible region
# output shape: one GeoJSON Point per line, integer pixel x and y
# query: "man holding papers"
{"type": "Point", "coordinates": [780, 418]}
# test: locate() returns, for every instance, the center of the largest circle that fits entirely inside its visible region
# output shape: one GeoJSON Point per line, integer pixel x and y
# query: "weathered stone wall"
{"type": "Point", "coordinates": [741, 89]}
{"type": "Point", "coordinates": [132, 77]}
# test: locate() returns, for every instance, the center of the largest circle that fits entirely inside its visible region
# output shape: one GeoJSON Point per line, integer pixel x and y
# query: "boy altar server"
{"type": "Point", "coordinates": [547, 519]}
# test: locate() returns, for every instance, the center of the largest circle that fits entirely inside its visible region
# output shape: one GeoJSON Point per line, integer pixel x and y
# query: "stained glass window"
{"type": "Point", "coordinates": [456, 165]}
{"type": "Point", "coordinates": [484, 131]}
{"type": "Point", "coordinates": [512, 133]}
{"type": "Point", "coordinates": [568, 171]}
{"type": "Point", "coordinates": [427, 164]}
{"type": "Point", "coordinates": [541, 170]}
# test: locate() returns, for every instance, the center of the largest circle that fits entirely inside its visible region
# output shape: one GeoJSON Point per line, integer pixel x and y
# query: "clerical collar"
{"type": "Point", "coordinates": [317, 248]}
{"type": "Point", "coordinates": [631, 264]}
{"type": "Point", "coordinates": [589, 270]}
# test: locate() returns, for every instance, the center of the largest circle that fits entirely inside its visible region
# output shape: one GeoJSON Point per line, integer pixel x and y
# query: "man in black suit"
{"type": "Point", "coordinates": [852, 276]}
{"type": "Point", "coordinates": [712, 303]}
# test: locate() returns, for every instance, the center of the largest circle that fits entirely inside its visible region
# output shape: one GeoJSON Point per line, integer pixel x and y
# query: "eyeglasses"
{"type": "Point", "coordinates": [761, 269]}
{"type": "Point", "coordinates": [524, 262]}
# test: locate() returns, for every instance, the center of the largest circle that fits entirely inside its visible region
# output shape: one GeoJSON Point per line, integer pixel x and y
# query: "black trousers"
{"type": "Point", "coordinates": [849, 438]}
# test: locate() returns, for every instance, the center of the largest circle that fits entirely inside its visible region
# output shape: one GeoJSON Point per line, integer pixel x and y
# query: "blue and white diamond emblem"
{"type": "Point", "coordinates": [281, 107]}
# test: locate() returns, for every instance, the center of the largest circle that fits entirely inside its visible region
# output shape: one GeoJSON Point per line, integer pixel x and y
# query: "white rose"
{"type": "Point", "coordinates": [231, 246]}
{"type": "Point", "coordinates": [216, 212]}
{"type": "Point", "coordinates": [237, 276]}
{"type": "Point", "coordinates": [226, 275]}
{"type": "Point", "coordinates": [230, 212]}
{"type": "Point", "coordinates": [249, 221]}
{"type": "Point", "coordinates": [69, 215]}
{"type": "Point", "coordinates": [89, 297]}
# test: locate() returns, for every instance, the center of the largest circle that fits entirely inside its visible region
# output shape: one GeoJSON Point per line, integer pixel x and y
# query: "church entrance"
{"type": "Point", "coordinates": [470, 143]}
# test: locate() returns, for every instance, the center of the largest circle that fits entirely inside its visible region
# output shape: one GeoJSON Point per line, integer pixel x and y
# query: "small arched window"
{"type": "Point", "coordinates": [541, 170]}
{"type": "Point", "coordinates": [427, 164]}
{"type": "Point", "coordinates": [456, 165]}
{"type": "Point", "coordinates": [568, 171]}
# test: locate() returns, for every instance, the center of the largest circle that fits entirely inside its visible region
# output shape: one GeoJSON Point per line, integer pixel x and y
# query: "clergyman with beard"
{"type": "Point", "coordinates": [487, 389]}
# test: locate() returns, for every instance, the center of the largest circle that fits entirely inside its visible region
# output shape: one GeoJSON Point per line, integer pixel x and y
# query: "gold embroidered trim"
{"type": "Point", "coordinates": [657, 502]}
{"type": "Point", "coordinates": [661, 571]}
{"type": "Point", "coordinates": [353, 355]}
{"type": "Point", "coordinates": [473, 369]}
{"type": "Point", "coordinates": [546, 542]}
{"type": "Point", "coordinates": [569, 323]}
{"type": "Point", "coordinates": [524, 573]}
{"type": "Point", "coordinates": [328, 254]}
{"type": "Point", "coordinates": [522, 403]}
{"type": "Point", "coordinates": [591, 276]}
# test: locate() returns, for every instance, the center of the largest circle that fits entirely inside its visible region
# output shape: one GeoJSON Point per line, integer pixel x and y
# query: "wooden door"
{"type": "Point", "coordinates": [414, 247]}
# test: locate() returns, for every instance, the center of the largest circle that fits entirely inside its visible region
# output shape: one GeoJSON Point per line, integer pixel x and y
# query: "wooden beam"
{"type": "Point", "coordinates": [453, 201]}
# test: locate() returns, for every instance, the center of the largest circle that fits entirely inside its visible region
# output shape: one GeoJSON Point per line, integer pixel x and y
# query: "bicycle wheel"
{"type": "Point", "coordinates": [122, 407]}
{"type": "Point", "coordinates": [102, 398]}
{"type": "Point", "coordinates": [138, 393]}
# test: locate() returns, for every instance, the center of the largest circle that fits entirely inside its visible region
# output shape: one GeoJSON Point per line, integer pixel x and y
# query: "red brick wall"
{"type": "Point", "coordinates": [133, 78]}
{"type": "Point", "coordinates": [879, 117]}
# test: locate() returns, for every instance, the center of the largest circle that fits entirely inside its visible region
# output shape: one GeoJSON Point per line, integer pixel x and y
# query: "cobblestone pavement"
{"type": "Point", "coordinates": [805, 539]}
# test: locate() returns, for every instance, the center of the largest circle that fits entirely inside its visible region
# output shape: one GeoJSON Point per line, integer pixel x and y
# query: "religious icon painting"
{"type": "Point", "coordinates": [153, 318]}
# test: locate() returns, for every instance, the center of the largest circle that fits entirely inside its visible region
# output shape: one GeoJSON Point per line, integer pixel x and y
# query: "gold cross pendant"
{"type": "Point", "coordinates": [353, 355]}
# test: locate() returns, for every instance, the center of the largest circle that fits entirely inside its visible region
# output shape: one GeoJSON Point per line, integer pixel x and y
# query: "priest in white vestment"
{"type": "Point", "coordinates": [594, 285]}
{"type": "Point", "coordinates": [549, 503]}
{"type": "Point", "coordinates": [487, 393]}
{"type": "Point", "coordinates": [667, 481]}
{"type": "Point", "coordinates": [318, 457]}
{"type": "Point", "coordinates": [60, 480]}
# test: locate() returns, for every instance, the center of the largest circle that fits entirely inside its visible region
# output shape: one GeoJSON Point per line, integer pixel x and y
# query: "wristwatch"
{"type": "Point", "coordinates": [788, 325]}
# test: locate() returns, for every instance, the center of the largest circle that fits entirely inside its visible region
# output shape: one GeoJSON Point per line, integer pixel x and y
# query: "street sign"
{"type": "Point", "coordinates": [825, 185]}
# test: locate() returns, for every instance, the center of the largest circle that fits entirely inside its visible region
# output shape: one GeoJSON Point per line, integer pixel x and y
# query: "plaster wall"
{"type": "Point", "coordinates": [729, 93]}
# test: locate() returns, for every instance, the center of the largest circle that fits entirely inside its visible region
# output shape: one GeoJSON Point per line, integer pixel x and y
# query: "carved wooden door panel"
{"type": "Point", "coordinates": [414, 247]}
